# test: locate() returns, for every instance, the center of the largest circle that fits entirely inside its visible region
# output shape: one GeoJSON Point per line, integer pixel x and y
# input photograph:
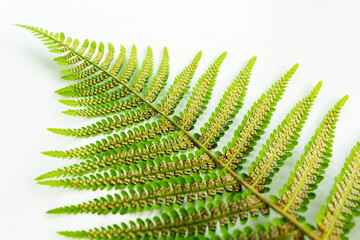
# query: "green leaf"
{"type": "Point", "coordinates": [296, 194]}
{"type": "Point", "coordinates": [254, 122]}
{"type": "Point", "coordinates": [139, 160]}
{"type": "Point", "coordinates": [335, 219]}
{"type": "Point", "coordinates": [281, 141]}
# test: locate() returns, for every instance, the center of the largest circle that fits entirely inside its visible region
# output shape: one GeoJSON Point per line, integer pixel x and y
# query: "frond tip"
{"type": "Point", "coordinates": [57, 154]}
{"type": "Point", "coordinates": [66, 132]}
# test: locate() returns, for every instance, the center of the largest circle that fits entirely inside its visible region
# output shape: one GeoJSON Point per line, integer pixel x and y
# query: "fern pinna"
{"type": "Point", "coordinates": [160, 165]}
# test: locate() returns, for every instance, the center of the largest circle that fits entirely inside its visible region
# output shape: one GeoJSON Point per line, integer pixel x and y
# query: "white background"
{"type": "Point", "coordinates": [322, 36]}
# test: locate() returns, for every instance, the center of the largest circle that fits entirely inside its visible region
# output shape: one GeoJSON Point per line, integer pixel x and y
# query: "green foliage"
{"type": "Point", "coordinates": [172, 193]}
{"type": "Point", "coordinates": [141, 79]}
{"type": "Point", "coordinates": [184, 222]}
{"type": "Point", "coordinates": [158, 164]}
{"type": "Point", "coordinates": [254, 123]}
{"type": "Point", "coordinates": [281, 142]}
{"type": "Point", "coordinates": [296, 194]}
{"type": "Point", "coordinates": [336, 218]}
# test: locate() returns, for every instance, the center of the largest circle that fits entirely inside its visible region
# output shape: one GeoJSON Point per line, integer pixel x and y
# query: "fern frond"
{"type": "Point", "coordinates": [169, 102]}
{"type": "Point", "coordinates": [74, 73]}
{"type": "Point", "coordinates": [141, 80]}
{"type": "Point", "coordinates": [119, 62]}
{"type": "Point", "coordinates": [150, 149]}
{"type": "Point", "coordinates": [269, 231]}
{"type": "Point", "coordinates": [254, 122]}
{"type": "Point", "coordinates": [175, 94]}
{"type": "Point", "coordinates": [200, 96]}
{"type": "Point", "coordinates": [336, 218]}
{"type": "Point", "coordinates": [72, 58]}
{"type": "Point", "coordinates": [158, 82]}
{"type": "Point", "coordinates": [124, 77]}
{"type": "Point", "coordinates": [237, 89]}
{"type": "Point", "coordinates": [136, 135]}
{"type": "Point", "coordinates": [281, 141]}
{"type": "Point", "coordinates": [88, 65]}
{"type": "Point", "coordinates": [296, 194]}
{"type": "Point", "coordinates": [141, 172]}
{"type": "Point", "coordinates": [172, 193]}
{"type": "Point", "coordinates": [145, 72]}
{"type": "Point", "coordinates": [52, 174]}
{"type": "Point", "coordinates": [227, 109]}
{"type": "Point", "coordinates": [88, 101]}
{"type": "Point", "coordinates": [113, 98]}
{"type": "Point", "coordinates": [205, 85]}
{"type": "Point", "coordinates": [92, 80]}
{"type": "Point", "coordinates": [231, 101]}
{"type": "Point", "coordinates": [278, 229]}
{"type": "Point", "coordinates": [183, 223]}
{"type": "Point", "coordinates": [141, 164]}
{"type": "Point", "coordinates": [109, 124]}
